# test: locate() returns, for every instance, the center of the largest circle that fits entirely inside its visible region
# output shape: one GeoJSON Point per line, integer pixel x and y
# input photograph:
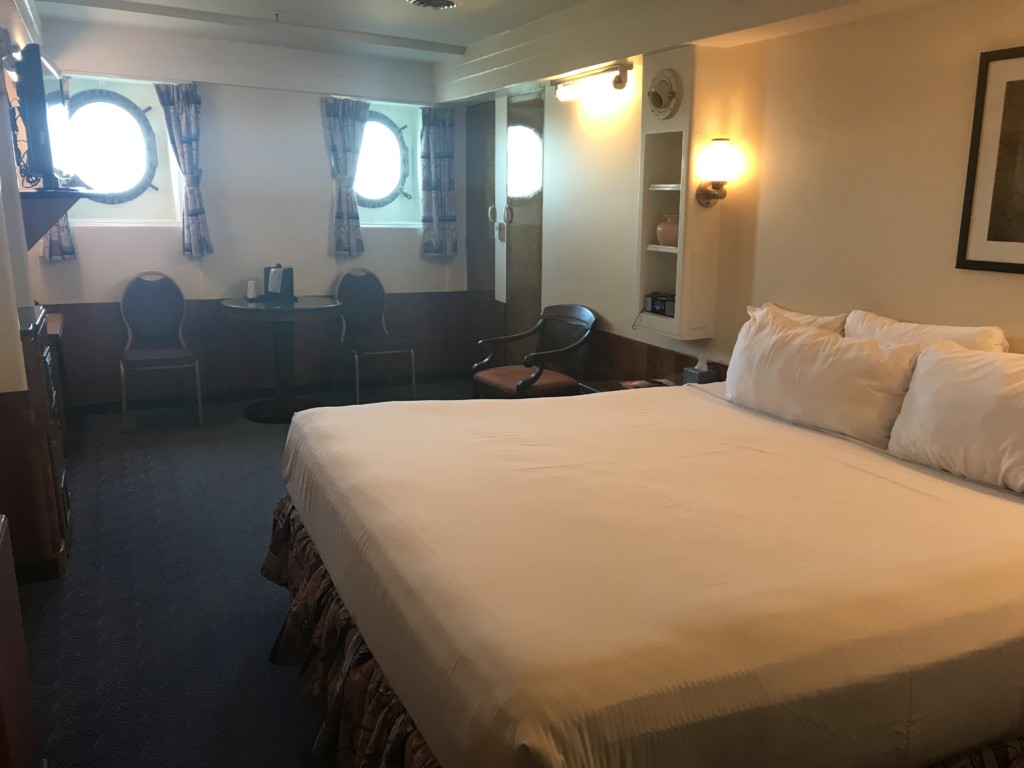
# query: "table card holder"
{"type": "Point", "coordinates": [278, 283]}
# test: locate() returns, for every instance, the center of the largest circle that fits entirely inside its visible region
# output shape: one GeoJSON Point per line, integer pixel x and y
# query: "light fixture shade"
{"type": "Point", "coordinates": [719, 161]}
{"type": "Point", "coordinates": [596, 84]}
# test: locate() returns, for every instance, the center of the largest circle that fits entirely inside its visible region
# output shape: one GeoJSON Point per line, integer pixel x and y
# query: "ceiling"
{"type": "Point", "coordinates": [392, 28]}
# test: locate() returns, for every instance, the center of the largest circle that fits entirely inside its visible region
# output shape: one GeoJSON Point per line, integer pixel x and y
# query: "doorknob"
{"type": "Point", "coordinates": [492, 213]}
{"type": "Point", "coordinates": [508, 214]}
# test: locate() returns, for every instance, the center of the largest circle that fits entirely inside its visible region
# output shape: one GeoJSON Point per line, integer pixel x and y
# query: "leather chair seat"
{"type": "Point", "coordinates": [504, 379]}
{"type": "Point", "coordinates": [156, 357]}
{"type": "Point", "coordinates": [376, 341]}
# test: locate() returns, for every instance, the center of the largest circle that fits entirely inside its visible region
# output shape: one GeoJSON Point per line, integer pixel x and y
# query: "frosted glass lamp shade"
{"type": "Point", "coordinates": [719, 161]}
{"type": "Point", "coordinates": [717, 164]}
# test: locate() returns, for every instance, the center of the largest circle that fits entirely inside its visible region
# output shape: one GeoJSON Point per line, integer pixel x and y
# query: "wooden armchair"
{"type": "Point", "coordinates": [553, 369]}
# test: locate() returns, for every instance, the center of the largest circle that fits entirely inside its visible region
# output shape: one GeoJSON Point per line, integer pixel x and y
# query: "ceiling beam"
{"type": "Point", "coordinates": [340, 37]}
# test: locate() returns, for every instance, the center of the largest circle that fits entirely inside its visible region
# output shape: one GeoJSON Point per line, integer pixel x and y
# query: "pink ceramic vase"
{"type": "Point", "coordinates": [668, 231]}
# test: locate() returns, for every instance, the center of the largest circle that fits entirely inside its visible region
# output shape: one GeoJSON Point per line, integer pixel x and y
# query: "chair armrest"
{"type": "Point", "coordinates": [539, 359]}
{"type": "Point", "coordinates": [485, 344]}
{"type": "Point", "coordinates": [545, 354]}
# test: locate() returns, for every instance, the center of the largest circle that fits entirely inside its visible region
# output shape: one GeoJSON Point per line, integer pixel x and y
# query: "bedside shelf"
{"type": "Point", "coordinates": [664, 249]}
{"type": "Point", "coordinates": [666, 188]}
{"type": "Point", "coordinates": [660, 323]}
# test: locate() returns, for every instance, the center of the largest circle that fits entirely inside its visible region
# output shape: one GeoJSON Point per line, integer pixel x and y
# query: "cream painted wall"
{"type": "Point", "coordinates": [267, 190]}
{"type": "Point", "coordinates": [591, 199]}
{"type": "Point", "coordinates": [857, 137]}
{"type": "Point", "coordinates": [13, 280]}
{"type": "Point", "coordinates": [865, 140]}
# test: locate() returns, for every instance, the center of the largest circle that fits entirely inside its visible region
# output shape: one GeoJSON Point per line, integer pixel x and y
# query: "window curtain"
{"type": "Point", "coordinates": [181, 105]}
{"type": "Point", "coordinates": [437, 163]}
{"type": "Point", "coordinates": [58, 244]}
{"type": "Point", "coordinates": [344, 120]}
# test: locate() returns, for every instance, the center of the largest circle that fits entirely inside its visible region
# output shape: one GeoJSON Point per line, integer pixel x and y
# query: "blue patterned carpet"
{"type": "Point", "coordinates": [152, 649]}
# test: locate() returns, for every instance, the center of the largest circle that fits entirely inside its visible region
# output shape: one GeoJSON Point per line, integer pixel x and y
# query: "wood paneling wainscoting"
{"type": "Point", "coordinates": [236, 357]}
{"type": "Point", "coordinates": [616, 357]}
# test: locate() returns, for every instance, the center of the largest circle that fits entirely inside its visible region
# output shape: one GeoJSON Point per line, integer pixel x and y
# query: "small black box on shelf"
{"type": "Point", "coordinates": [660, 304]}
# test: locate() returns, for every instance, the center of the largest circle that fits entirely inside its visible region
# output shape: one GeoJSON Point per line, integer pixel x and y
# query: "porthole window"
{"type": "Point", "coordinates": [383, 166]}
{"type": "Point", "coordinates": [525, 161]}
{"type": "Point", "coordinates": [112, 147]}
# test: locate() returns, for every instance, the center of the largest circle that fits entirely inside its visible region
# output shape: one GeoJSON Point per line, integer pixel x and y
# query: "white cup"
{"type": "Point", "coordinates": [250, 290]}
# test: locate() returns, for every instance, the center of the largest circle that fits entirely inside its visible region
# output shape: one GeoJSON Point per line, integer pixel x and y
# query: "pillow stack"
{"type": "Point", "coordinates": [834, 323]}
{"type": "Point", "coordinates": [866, 325]}
{"type": "Point", "coordinates": [945, 396]}
{"type": "Point", "coordinates": [964, 414]}
{"type": "Point", "coordinates": [819, 379]}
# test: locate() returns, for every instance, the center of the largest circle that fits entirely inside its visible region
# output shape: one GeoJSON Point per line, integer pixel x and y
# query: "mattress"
{"type": "Point", "coordinates": [658, 578]}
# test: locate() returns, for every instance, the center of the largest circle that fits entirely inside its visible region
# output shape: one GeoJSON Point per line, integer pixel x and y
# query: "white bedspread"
{"type": "Point", "coordinates": [658, 578]}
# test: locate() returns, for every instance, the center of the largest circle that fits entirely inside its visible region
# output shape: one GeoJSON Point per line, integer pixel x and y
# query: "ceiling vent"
{"type": "Point", "coordinates": [437, 5]}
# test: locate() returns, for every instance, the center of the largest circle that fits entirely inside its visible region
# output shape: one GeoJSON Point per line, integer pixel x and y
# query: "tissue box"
{"type": "Point", "coordinates": [693, 376]}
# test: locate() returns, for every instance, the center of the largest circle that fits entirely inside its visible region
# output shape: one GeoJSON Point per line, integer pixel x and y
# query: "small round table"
{"type": "Point", "coordinates": [282, 314]}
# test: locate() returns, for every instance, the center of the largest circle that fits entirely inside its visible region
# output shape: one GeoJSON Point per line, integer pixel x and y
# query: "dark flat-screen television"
{"type": "Point", "coordinates": [42, 106]}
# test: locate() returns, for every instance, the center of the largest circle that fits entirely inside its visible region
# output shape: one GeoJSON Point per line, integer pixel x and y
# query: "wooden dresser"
{"type": "Point", "coordinates": [19, 747]}
{"type": "Point", "coordinates": [33, 483]}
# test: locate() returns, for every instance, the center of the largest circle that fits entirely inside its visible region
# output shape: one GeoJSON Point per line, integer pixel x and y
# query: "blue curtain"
{"type": "Point", "coordinates": [182, 105]}
{"type": "Point", "coordinates": [58, 244]}
{"type": "Point", "coordinates": [344, 121]}
{"type": "Point", "coordinates": [440, 241]}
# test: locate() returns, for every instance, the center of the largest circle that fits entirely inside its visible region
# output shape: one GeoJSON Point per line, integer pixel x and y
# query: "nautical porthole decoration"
{"type": "Point", "coordinates": [664, 95]}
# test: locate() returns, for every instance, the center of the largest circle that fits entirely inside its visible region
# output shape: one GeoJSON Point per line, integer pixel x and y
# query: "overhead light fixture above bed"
{"type": "Point", "coordinates": [576, 86]}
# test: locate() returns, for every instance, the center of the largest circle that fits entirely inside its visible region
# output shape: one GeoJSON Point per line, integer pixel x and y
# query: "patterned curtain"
{"type": "Point", "coordinates": [57, 243]}
{"type": "Point", "coordinates": [437, 161]}
{"type": "Point", "coordinates": [181, 105]}
{"type": "Point", "coordinates": [344, 120]}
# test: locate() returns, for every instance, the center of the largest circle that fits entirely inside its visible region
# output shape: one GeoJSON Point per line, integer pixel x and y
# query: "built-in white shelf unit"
{"type": "Point", "coordinates": [688, 270]}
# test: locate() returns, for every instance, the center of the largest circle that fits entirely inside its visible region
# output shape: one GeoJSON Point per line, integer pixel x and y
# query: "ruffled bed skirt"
{"type": "Point", "coordinates": [365, 725]}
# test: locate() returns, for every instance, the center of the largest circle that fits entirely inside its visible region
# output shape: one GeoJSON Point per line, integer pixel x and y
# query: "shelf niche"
{"type": "Point", "coordinates": [689, 270]}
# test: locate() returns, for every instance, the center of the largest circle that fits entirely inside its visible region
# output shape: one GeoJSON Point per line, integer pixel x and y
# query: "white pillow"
{"type": "Point", "coordinates": [964, 413]}
{"type": "Point", "coordinates": [834, 323]}
{"type": "Point", "coordinates": [819, 379]}
{"type": "Point", "coordinates": [867, 325]}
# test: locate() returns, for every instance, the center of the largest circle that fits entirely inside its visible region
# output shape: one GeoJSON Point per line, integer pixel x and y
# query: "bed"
{"type": "Point", "coordinates": [647, 578]}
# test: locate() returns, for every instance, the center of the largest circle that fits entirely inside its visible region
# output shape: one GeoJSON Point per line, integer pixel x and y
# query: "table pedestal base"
{"type": "Point", "coordinates": [277, 411]}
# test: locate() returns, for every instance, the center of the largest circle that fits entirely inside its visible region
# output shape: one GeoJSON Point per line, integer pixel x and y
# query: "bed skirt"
{"type": "Point", "coordinates": [365, 725]}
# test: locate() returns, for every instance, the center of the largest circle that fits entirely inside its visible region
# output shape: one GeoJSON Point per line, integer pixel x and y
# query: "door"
{"type": "Point", "coordinates": [523, 216]}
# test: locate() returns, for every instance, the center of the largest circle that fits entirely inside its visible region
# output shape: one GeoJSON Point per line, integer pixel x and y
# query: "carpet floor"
{"type": "Point", "coordinates": [152, 649]}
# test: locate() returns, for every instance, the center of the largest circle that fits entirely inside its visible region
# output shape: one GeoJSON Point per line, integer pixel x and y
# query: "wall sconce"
{"type": "Point", "coordinates": [719, 163]}
{"type": "Point", "coordinates": [585, 83]}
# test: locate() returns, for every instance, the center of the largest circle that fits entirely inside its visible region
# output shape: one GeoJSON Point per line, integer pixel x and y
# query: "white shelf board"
{"type": "Point", "coordinates": [666, 187]}
{"type": "Point", "coordinates": [660, 323]}
{"type": "Point", "coordinates": [663, 248]}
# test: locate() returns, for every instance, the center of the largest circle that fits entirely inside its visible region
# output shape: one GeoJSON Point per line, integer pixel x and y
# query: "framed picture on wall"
{"type": "Point", "coordinates": [992, 228]}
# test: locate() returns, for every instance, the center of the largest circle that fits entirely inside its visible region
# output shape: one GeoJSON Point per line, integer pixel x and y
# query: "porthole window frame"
{"type": "Point", "coordinates": [403, 177]}
{"type": "Point", "coordinates": [102, 95]}
{"type": "Point", "coordinates": [539, 188]}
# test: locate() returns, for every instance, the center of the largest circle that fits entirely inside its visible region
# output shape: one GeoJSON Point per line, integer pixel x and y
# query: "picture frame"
{"type": "Point", "coordinates": [992, 227]}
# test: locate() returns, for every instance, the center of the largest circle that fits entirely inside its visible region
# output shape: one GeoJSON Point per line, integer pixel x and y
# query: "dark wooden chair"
{"type": "Point", "coordinates": [553, 369]}
{"type": "Point", "coordinates": [364, 329]}
{"type": "Point", "coordinates": [153, 309]}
